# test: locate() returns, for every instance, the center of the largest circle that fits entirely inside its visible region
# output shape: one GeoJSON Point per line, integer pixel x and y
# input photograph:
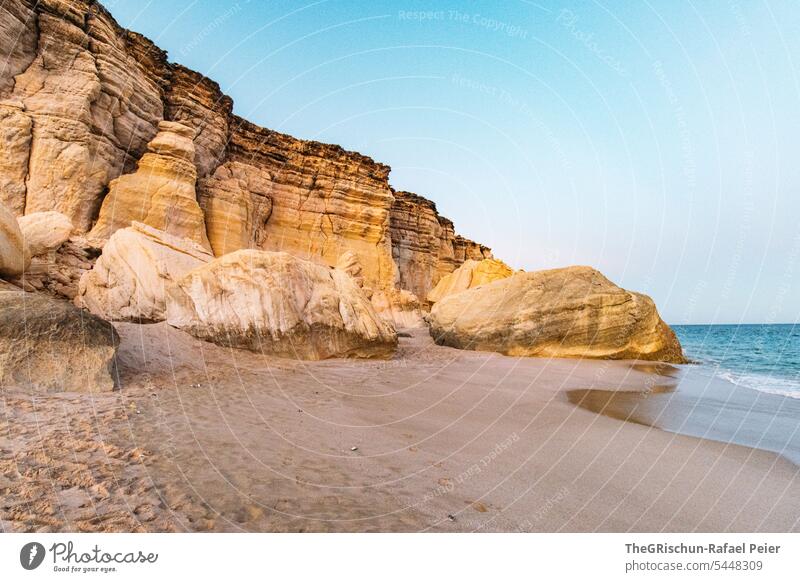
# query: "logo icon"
{"type": "Point", "coordinates": [31, 555]}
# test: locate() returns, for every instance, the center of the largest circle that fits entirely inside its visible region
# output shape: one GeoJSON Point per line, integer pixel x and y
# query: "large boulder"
{"type": "Point", "coordinates": [278, 304]}
{"type": "Point", "coordinates": [49, 345]}
{"type": "Point", "coordinates": [468, 275]}
{"type": "Point", "coordinates": [129, 281]}
{"type": "Point", "coordinates": [572, 313]}
{"type": "Point", "coordinates": [161, 192]}
{"type": "Point", "coordinates": [44, 232]}
{"type": "Point", "coordinates": [14, 259]}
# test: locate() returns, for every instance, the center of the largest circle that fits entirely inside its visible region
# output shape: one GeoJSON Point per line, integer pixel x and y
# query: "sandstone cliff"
{"type": "Point", "coordinates": [80, 100]}
{"type": "Point", "coordinates": [424, 244]}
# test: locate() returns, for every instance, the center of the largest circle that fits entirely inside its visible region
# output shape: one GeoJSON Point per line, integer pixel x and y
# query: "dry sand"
{"type": "Point", "coordinates": [202, 438]}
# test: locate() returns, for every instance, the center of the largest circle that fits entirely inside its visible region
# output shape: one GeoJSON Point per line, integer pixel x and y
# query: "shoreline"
{"type": "Point", "coordinates": [435, 439]}
{"type": "Point", "coordinates": [710, 408]}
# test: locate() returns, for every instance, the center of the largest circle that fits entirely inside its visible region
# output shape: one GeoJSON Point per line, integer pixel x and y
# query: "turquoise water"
{"type": "Point", "coordinates": [759, 357]}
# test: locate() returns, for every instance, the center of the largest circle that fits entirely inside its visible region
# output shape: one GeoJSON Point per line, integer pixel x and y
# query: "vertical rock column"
{"type": "Point", "coordinates": [161, 193]}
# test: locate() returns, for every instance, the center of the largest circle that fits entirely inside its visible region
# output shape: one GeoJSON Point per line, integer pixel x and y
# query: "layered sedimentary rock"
{"type": "Point", "coordinates": [278, 304]}
{"type": "Point", "coordinates": [573, 312]}
{"type": "Point", "coordinates": [93, 94]}
{"type": "Point", "coordinates": [161, 193]}
{"type": "Point", "coordinates": [323, 200]}
{"type": "Point", "coordinates": [417, 241]}
{"type": "Point", "coordinates": [197, 102]}
{"type": "Point", "coordinates": [14, 258]}
{"type": "Point", "coordinates": [237, 204]}
{"type": "Point", "coordinates": [81, 100]}
{"type": "Point", "coordinates": [470, 274]}
{"type": "Point", "coordinates": [15, 137]}
{"type": "Point", "coordinates": [49, 345]}
{"type": "Point", "coordinates": [44, 232]}
{"type": "Point", "coordinates": [130, 280]}
{"type": "Point", "coordinates": [424, 244]}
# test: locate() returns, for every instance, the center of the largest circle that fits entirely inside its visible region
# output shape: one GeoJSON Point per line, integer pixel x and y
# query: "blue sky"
{"type": "Point", "coordinates": [656, 141]}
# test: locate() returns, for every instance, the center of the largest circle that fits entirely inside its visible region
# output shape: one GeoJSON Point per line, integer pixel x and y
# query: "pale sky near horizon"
{"type": "Point", "coordinates": [655, 141]}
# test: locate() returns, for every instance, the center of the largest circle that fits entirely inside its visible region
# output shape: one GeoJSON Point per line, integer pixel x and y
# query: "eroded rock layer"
{"type": "Point", "coordinates": [161, 192]}
{"type": "Point", "coordinates": [80, 100]}
{"type": "Point", "coordinates": [424, 244]}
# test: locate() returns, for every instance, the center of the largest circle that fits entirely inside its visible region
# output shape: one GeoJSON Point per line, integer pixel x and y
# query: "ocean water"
{"type": "Point", "coordinates": [756, 356]}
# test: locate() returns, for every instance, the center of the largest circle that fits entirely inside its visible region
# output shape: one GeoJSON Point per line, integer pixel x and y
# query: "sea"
{"type": "Point", "coordinates": [761, 357]}
{"type": "Point", "coordinates": [743, 388]}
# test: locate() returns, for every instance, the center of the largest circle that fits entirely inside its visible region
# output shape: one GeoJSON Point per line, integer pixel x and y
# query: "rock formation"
{"type": "Point", "coordinates": [278, 304]}
{"type": "Point", "coordinates": [96, 124]}
{"type": "Point", "coordinates": [350, 264]}
{"type": "Point", "coordinates": [14, 258]}
{"type": "Point", "coordinates": [236, 204]}
{"type": "Point", "coordinates": [424, 244]}
{"type": "Point", "coordinates": [470, 274]}
{"type": "Point", "coordinates": [323, 200]}
{"type": "Point", "coordinates": [573, 312]}
{"type": "Point", "coordinates": [15, 135]}
{"type": "Point", "coordinates": [161, 193]}
{"type": "Point", "coordinates": [92, 92]}
{"type": "Point", "coordinates": [129, 281]}
{"type": "Point", "coordinates": [400, 307]}
{"type": "Point", "coordinates": [80, 100]}
{"type": "Point", "coordinates": [49, 345]}
{"type": "Point", "coordinates": [58, 273]}
{"type": "Point", "coordinates": [44, 232]}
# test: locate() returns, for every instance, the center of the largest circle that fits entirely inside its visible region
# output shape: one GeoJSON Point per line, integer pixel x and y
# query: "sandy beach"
{"type": "Point", "coordinates": [203, 438]}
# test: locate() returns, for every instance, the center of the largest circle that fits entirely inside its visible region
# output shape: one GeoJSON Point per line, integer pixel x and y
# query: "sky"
{"type": "Point", "coordinates": [658, 142]}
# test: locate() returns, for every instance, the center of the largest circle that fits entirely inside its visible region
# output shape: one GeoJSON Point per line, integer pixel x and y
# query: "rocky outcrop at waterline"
{"type": "Point", "coordinates": [564, 313]}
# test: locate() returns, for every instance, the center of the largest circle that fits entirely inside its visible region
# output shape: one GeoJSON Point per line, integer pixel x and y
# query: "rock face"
{"type": "Point", "coordinates": [574, 313]}
{"type": "Point", "coordinates": [14, 258]}
{"type": "Point", "coordinates": [350, 264]}
{"type": "Point", "coordinates": [82, 102]}
{"type": "Point", "coordinates": [470, 274]}
{"type": "Point", "coordinates": [424, 244]}
{"type": "Point", "coordinates": [237, 204]}
{"type": "Point", "coordinates": [58, 273]}
{"type": "Point", "coordinates": [44, 232]}
{"type": "Point", "coordinates": [15, 135]}
{"type": "Point", "coordinates": [323, 200]}
{"type": "Point", "coordinates": [49, 345]}
{"type": "Point", "coordinates": [277, 304]}
{"type": "Point", "coordinates": [93, 94]}
{"type": "Point", "coordinates": [161, 193]}
{"type": "Point", "coordinates": [129, 281]}
{"type": "Point", "coordinates": [400, 307]}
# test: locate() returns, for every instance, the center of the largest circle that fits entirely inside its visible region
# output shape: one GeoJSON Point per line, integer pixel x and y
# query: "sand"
{"type": "Point", "coordinates": [203, 438]}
